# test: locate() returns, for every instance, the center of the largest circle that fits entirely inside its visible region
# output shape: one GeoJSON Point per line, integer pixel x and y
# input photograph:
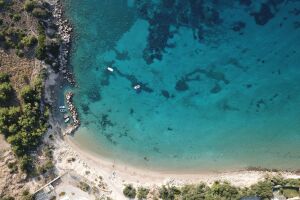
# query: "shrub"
{"type": "Point", "coordinates": [193, 192]}
{"type": "Point", "coordinates": [29, 5]}
{"type": "Point", "coordinates": [9, 120]}
{"type": "Point", "coordinates": [129, 191]}
{"type": "Point", "coordinates": [29, 41]}
{"type": "Point", "coordinates": [29, 95]}
{"type": "Point", "coordinates": [6, 92]}
{"type": "Point", "coordinates": [168, 193]}
{"type": "Point", "coordinates": [262, 189]}
{"type": "Point", "coordinates": [40, 51]}
{"type": "Point", "coordinates": [142, 193]}
{"type": "Point", "coordinates": [16, 17]}
{"type": "Point", "coordinates": [223, 191]}
{"type": "Point", "coordinates": [2, 4]}
{"type": "Point", "coordinates": [26, 164]}
{"type": "Point", "coordinates": [84, 186]}
{"type": "Point", "coordinates": [4, 77]}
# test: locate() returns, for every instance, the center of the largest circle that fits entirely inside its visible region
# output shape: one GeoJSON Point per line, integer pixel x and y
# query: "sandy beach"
{"type": "Point", "coordinates": [111, 176]}
{"type": "Point", "coordinates": [69, 156]}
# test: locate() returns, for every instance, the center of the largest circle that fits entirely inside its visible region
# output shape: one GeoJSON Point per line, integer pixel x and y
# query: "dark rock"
{"type": "Point", "coordinates": [238, 26]}
{"type": "Point", "coordinates": [181, 85]}
{"type": "Point", "coordinates": [264, 15]}
{"type": "Point", "coordinates": [246, 2]}
{"type": "Point", "coordinates": [216, 89]}
{"type": "Point", "coordinates": [165, 93]}
{"type": "Point", "coordinates": [85, 108]}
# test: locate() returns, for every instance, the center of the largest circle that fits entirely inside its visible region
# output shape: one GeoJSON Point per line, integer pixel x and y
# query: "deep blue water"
{"type": "Point", "coordinates": [219, 82]}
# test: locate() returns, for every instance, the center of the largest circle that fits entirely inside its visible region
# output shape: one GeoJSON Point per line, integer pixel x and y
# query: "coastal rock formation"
{"type": "Point", "coordinates": [72, 109]}
{"type": "Point", "coordinates": [64, 30]}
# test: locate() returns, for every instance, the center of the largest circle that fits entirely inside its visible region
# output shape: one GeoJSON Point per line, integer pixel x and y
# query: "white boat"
{"type": "Point", "coordinates": [62, 107]}
{"type": "Point", "coordinates": [136, 87]}
{"type": "Point", "coordinates": [67, 120]}
{"type": "Point", "coordinates": [66, 116]}
{"type": "Point", "coordinates": [62, 110]}
{"type": "Point", "coordinates": [110, 69]}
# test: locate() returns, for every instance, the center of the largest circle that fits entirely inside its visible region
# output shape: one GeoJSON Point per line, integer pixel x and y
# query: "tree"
{"type": "Point", "coordinates": [6, 92]}
{"type": "Point", "coordinates": [29, 5]}
{"type": "Point", "coordinates": [9, 120]}
{"type": "Point", "coordinates": [142, 193]}
{"type": "Point", "coordinates": [222, 191]}
{"type": "Point", "coordinates": [129, 191]}
{"type": "Point", "coordinates": [4, 78]}
{"type": "Point", "coordinates": [168, 193]}
{"type": "Point", "coordinates": [193, 192]}
{"type": "Point", "coordinates": [29, 95]}
{"type": "Point", "coordinates": [26, 164]}
{"type": "Point", "coordinates": [262, 189]}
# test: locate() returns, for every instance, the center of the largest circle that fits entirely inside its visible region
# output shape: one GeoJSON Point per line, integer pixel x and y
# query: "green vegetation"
{"type": "Point", "coordinates": [221, 190]}
{"type": "Point", "coordinates": [24, 125]}
{"type": "Point", "coordinates": [84, 186]}
{"type": "Point", "coordinates": [262, 189]}
{"type": "Point", "coordinates": [29, 41]}
{"type": "Point", "coordinates": [2, 4]}
{"type": "Point", "coordinates": [29, 5]}
{"type": "Point", "coordinates": [142, 193]}
{"type": "Point", "coordinates": [129, 191]}
{"type": "Point", "coordinates": [26, 195]}
{"type": "Point", "coordinates": [40, 51]}
{"type": "Point", "coordinates": [16, 17]}
{"type": "Point", "coordinates": [290, 193]}
{"type": "Point", "coordinates": [6, 92]}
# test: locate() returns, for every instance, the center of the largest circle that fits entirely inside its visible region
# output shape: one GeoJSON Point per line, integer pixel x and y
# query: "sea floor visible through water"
{"type": "Point", "coordinates": [218, 90]}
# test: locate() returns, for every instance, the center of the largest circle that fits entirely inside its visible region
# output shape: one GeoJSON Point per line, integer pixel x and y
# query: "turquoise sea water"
{"type": "Point", "coordinates": [219, 82]}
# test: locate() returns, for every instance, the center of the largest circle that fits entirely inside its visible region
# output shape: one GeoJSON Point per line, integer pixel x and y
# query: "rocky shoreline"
{"type": "Point", "coordinates": [65, 33]}
{"type": "Point", "coordinates": [72, 109]}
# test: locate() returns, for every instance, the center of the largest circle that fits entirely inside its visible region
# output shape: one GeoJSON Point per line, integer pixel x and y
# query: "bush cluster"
{"type": "Point", "coordinates": [220, 190]}
{"type": "Point", "coordinates": [6, 90]}
{"type": "Point", "coordinates": [24, 125]}
{"type": "Point", "coordinates": [129, 191]}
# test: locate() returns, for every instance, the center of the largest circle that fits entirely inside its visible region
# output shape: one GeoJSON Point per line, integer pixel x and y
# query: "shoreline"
{"type": "Point", "coordinates": [115, 176]}
{"type": "Point", "coordinates": [69, 156]}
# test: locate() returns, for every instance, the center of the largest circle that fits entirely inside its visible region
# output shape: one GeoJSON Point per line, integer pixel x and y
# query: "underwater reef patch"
{"type": "Point", "coordinates": [164, 14]}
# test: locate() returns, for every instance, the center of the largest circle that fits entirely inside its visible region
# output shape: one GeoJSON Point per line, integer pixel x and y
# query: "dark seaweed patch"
{"type": "Point", "coordinates": [181, 85]}
{"type": "Point", "coordinates": [94, 94]}
{"type": "Point", "coordinates": [167, 13]}
{"type": "Point", "coordinates": [264, 15]}
{"type": "Point", "coordinates": [85, 108]}
{"type": "Point", "coordinates": [105, 121]}
{"type": "Point", "coordinates": [238, 26]}
{"type": "Point", "coordinates": [216, 89]}
{"type": "Point", "coordinates": [165, 93]}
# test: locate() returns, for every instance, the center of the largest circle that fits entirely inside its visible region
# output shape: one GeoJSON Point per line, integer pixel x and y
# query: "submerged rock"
{"type": "Point", "coordinates": [181, 85]}
{"type": "Point", "coordinates": [165, 93]}
{"type": "Point", "coordinates": [264, 15]}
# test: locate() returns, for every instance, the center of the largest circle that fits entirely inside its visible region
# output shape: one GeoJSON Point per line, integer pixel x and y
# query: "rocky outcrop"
{"type": "Point", "coordinates": [72, 109]}
{"type": "Point", "coordinates": [64, 30]}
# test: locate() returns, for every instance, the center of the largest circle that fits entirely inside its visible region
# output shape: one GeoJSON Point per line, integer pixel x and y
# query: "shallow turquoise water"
{"type": "Point", "coordinates": [219, 89]}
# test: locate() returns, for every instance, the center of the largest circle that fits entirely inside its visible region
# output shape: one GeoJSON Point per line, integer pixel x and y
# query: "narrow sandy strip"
{"type": "Point", "coordinates": [117, 175]}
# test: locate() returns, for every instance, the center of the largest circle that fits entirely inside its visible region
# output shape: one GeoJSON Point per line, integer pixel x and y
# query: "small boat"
{"type": "Point", "coordinates": [110, 69]}
{"type": "Point", "coordinates": [66, 116]}
{"type": "Point", "coordinates": [62, 107]}
{"type": "Point", "coordinates": [62, 110]}
{"type": "Point", "coordinates": [136, 87]}
{"type": "Point", "coordinates": [67, 120]}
